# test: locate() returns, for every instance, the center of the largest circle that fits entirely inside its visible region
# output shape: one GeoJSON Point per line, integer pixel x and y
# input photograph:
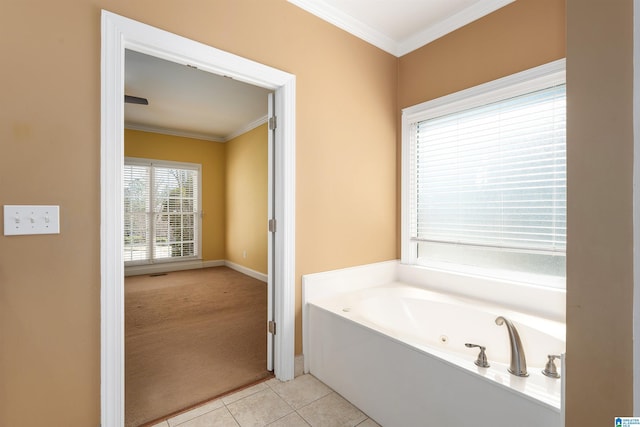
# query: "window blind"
{"type": "Point", "coordinates": [161, 211]}
{"type": "Point", "coordinates": [176, 207]}
{"type": "Point", "coordinates": [493, 175]}
{"type": "Point", "coordinates": [137, 205]}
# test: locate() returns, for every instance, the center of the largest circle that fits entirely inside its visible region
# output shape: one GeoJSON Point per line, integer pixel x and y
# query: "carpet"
{"type": "Point", "coordinates": [191, 336]}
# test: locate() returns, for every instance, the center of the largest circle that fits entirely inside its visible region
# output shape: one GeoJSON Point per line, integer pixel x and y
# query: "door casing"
{"type": "Point", "coordinates": [120, 33]}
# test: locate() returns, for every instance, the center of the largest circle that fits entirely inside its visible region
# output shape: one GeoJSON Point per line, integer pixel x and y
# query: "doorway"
{"type": "Point", "coordinates": [195, 236]}
{"type": "Point", "coordinates": [118, 34]}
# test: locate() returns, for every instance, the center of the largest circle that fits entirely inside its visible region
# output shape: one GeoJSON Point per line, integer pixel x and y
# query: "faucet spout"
{"type": "Point", "coordinates": [518, 365]}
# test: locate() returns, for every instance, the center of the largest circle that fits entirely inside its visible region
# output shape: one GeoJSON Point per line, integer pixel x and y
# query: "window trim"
{"type": "Point", "coordinates": [139, 161]}
{"type": "Point", "coordinates": [517, 84]}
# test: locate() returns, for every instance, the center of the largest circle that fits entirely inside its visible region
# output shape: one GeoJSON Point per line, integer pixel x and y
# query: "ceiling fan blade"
{"type": "Point", "coordinates": [135, 100]}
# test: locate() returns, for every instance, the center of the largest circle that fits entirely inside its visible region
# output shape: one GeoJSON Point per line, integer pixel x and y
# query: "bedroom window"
{"type": "Point", "coordinates": [484, 179]}
{"type": "Point", "coordinates": [161, 211]}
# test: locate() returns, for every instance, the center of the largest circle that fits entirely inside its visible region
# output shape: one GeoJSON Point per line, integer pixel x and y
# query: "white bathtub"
{"type": "Point", "coordinates": [397, 352]}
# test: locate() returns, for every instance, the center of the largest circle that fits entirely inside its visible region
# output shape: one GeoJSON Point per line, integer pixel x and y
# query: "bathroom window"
{"type": "Point", "coordinates": [161, 211]}
{"type": "Point", "coordinates": [484, 179]}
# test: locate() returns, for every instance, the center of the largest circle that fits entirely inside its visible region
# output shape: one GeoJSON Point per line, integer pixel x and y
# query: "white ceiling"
{"type": "Point", "coordinates": [189, 102]}
{"type": "Point", "coordinates": [400, 26]}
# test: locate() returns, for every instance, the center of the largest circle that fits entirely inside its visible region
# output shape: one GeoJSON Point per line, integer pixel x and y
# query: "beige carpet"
{"type": "Point", "coordinates": [190, 336]}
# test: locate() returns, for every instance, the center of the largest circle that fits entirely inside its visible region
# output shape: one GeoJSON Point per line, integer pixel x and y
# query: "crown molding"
{"type": "Point", "coordinates": [197, 135]}
{"type": "Point", "coordinates": [449, 25]}
{"type": "Point", "coordinates": [173, 132]}
{"type": "Point", "coordinates": [349, 24]}
{"type": "Point", "coordinates": [246, 128]}
{"type": "Point", "coordinates": [399, 47]}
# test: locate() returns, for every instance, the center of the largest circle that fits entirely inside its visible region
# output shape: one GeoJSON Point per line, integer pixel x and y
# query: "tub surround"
{"type": "Point", "coordinates": [545, 302]}
{"type": "Point", "coordinates": [377, 344]}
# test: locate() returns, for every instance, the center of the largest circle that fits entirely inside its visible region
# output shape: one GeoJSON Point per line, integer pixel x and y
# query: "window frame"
{"type": "Point", "coordinates": [153, 163]}
{"type": "Point", "coordinates": [553, 73]}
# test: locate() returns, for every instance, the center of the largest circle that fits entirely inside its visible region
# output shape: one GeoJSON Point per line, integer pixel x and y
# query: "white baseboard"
{"type": "Point", "coordinates": [244, 270]}
{"type": "Point", "coordinates": [138, 270]}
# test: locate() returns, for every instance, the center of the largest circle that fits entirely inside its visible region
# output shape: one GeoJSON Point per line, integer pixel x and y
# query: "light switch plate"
{"type": "Point", "coordinates": [31, 219]}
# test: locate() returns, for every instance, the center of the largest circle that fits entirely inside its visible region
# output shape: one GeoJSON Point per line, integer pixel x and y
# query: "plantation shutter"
{"type": "Point", "coordinates": [176, 207]}
{"type": "Point", "coordinates": [161, 211]}
{"type": "Point", "coordinates": [137, 207]}
{"type": "Point", "coordinates": [493, 175]}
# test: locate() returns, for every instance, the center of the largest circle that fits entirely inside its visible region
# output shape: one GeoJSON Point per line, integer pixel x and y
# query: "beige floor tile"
{"type": "Point", "coordinates": [162, 424]}
{"type": "Point", "coordinates": [332, 411]}
{"type": "Point", "coordinates": [220, 417]}
{"type": "Point", "coordinates": [259, 409]}
{"type": "Point", "coordinates": [300, 391]}
{"type": "Point", "coordinates": [195, 412]}
{"type": "Point", "coordinates": [368, 423]}
{"type": "Point", "coordinates": [291, 420]}
{"type": "Point", "coordinates": [244, 393]}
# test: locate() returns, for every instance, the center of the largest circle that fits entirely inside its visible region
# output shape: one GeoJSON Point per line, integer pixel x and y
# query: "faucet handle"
{"type": "Point", "coordinates": [481, 361]}
{"type": "Point", "coordinates": [550, 369]}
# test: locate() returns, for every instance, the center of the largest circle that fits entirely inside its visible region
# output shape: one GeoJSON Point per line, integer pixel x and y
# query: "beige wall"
{"type": "Point", "coordinates": [234, 189]}
{"type": "Point", "coordinates": [348, 95]}
{"type": "Point", "coordinates": [50, 125]}
{"type": "Point", "coordinates": [247, 199]}
{"type": "Point", "coordinates": [600, 203]}
{"type": "Point", "coordinates": [598, 48]}
{"type": "Point", "coordinates": [212, 157]}
{"type": "Point", "coordinates": [522, 35]}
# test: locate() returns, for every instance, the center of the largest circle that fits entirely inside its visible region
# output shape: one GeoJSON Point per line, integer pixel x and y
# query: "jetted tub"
{"type": "Point", "coordinates": [397, 352]}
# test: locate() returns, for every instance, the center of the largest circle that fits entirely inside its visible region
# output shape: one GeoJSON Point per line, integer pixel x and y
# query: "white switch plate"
{"type": "Point", "coordinates": [31, 219]}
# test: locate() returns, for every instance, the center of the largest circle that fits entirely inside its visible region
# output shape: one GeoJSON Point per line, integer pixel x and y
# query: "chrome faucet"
{"type": "Point", "coordinates": [518, 365]}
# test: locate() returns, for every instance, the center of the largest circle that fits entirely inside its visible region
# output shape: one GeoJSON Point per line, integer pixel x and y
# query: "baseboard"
{"type": "Point", "coordinates": [244, 270]}
{"type": "Point", "coordinates": [137, 270]}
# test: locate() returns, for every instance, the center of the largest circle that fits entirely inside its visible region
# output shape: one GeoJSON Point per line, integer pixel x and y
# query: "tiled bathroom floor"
{"type": "Point", "coordinates": [302, 402]}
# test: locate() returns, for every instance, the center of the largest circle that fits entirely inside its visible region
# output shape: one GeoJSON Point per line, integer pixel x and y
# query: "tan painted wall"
{"type": "Point", "coordinates": [347, 98]}
{"type": "Point", "coordinates": [600, 204]}
{"type": "Point", "coordinates": [522, 35]}
{"type": "Point", "coordinates": [247, 199]}
{"type": "Point", "coordinates": [600, 154]}
{"type": "Point", "coordinates": [234, 189]}
{"type": "Point", "coordinates": [50, 125]}
{"type": "Point", "coordinates": [212, 157]}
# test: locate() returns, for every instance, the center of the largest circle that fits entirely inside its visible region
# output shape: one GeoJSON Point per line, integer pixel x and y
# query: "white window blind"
{"type": "Point", "coordinates": [484, 179]}
{"type": "Point", "coordinates": [137, 209]}
{"type": "Point", "coordinates": [161, 220]}
{"type": "Point", "coordinates": [493, 175]}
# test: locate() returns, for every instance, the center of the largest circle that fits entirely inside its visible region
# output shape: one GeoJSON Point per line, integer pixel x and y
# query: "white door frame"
{"type": "Point", "coordinates": [120, 33]}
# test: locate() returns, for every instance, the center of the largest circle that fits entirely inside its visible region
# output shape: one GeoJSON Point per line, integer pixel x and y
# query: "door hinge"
{"type": "Point", "coordinates": [273, 123]}
{"type": "Point", "coordinates": [272, 225]}
{"type": "Point", "coordinates": [271, 326]}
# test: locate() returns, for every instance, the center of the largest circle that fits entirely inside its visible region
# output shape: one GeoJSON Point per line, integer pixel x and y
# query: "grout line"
{"type": "Point", "coordinates": [231, 413]}
{"type": "Point", "coordinates": [270, 388]}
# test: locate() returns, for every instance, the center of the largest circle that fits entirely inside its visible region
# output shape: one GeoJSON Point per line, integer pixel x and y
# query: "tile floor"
{"type": "Point", "coordinates": [303, 402]}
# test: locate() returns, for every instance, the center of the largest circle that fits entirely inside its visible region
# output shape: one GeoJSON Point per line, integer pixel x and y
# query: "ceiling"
{"type": "Point", "coordinates": [400, 26]}
{"type": "Point", "coordinates": [189, 102]}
